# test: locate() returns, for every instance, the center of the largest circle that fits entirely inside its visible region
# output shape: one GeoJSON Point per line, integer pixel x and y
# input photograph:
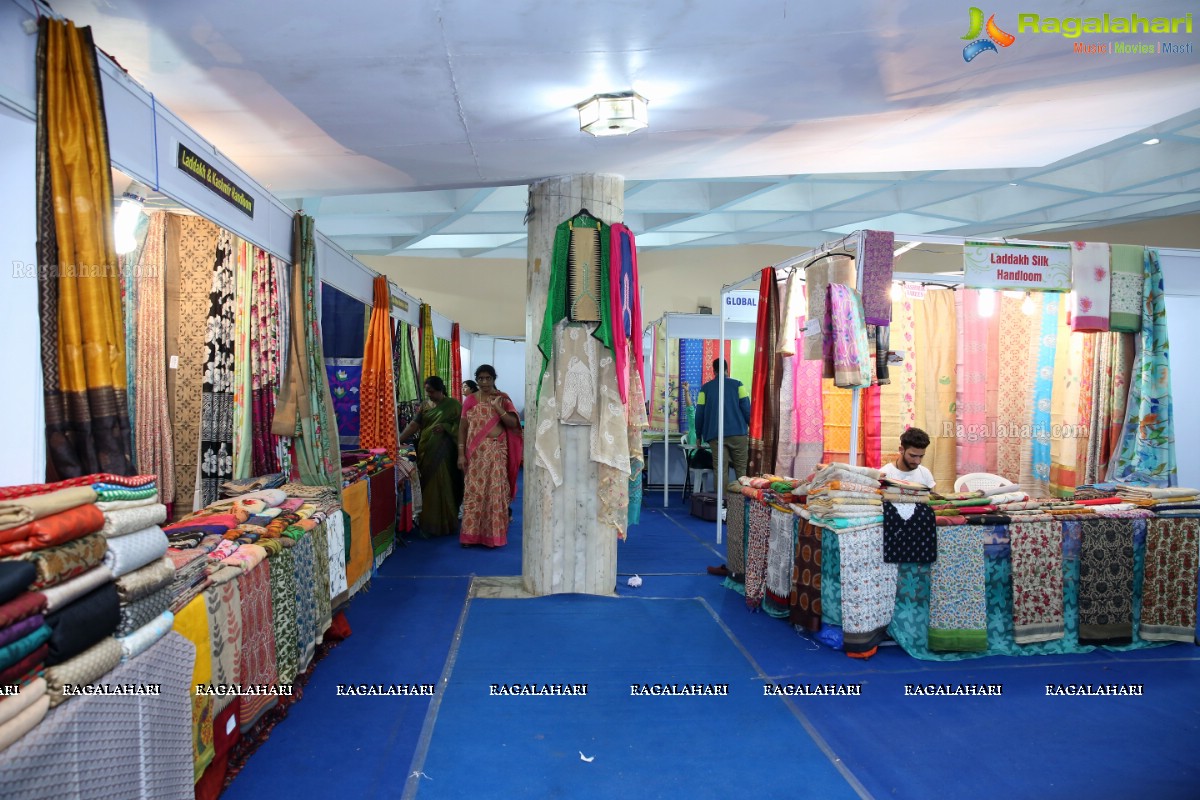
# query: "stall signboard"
{"type": "Point", "coordinates": [208, 175]}
{"type": "Point", "coordinates": [741, 305]}
{"type": "Point", "coordinates": [1021, 267]}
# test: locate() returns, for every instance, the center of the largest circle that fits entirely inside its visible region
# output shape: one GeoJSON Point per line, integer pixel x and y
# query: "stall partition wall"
{"type": "Point", "coordinates": [507, 356]}
{"type": "Point", "coordinates": [22, 426]}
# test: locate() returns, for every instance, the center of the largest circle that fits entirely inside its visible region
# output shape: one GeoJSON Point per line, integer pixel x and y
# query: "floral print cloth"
{"type": "Point", "coordinates": [1091, 284]}
{"type": "Point", "coordinates": [851, 357]}
{"type": "Point", "coordinates": [957, 599]}
{"type": "Point", "coordinates": [1037, 584]}
{"type": "Point", "coordinates": [868, 587]}
{"type": "Point", "coordinates": [1169, 590]}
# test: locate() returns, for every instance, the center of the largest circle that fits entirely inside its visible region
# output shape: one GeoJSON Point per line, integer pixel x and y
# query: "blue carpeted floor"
{"type": "Point", "coordinates": [416, 625]}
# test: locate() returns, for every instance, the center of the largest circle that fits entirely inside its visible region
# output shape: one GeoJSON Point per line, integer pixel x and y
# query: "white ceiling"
{"type": "Point", "coordinates": [412, 128]}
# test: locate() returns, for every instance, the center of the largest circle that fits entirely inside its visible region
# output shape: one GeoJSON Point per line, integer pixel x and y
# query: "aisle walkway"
{"type": "Point", "coordinates": [418, 624]}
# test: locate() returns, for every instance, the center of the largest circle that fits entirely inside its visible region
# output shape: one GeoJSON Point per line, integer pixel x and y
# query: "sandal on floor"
{"type": "Point", "coordinates": [722, 571]}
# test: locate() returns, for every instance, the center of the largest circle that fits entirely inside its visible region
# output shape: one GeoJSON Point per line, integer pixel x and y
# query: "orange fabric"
{"type": "Point", "coordinates": [55, 529]}
{"type": "Point", "coordinates": [377, 392]}
{"type": "Point", "coordinates": [361, 556]}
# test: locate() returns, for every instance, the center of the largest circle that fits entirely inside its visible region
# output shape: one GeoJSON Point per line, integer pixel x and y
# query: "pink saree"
{"type": "Point", "coordinates": [491, 480]}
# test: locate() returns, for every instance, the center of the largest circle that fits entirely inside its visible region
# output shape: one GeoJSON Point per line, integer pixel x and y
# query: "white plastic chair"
{"type": "Point", "coordinates": [980, 480]}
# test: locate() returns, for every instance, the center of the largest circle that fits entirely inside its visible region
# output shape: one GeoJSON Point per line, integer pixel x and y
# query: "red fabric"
{"type": "Point", "coordinates": [339, 629]}
{"type": "Point", "coordinates": [1101, 501]}
{"type": "Point", "coordinates": [382, 486]}
{"type": "Point", "coordinates": [864, 653]}
{"type": "Point", "coordinates": [55, 529]}
{"type": "Point", "coordinates": [873, 427]}
{"type": "Point", "coordinates": [758, 384]}
{"type": "Point", "coordinates": [710, 355]}
{"type": "Point", "coordinates": [455, 363]}
{"type": "Point", "coordinates": [20, 607]}
{"type": "Point", "coordinates": [377, 393]}
{"type": "Point", "coordinates": [30, 663]}
{"type": "Point", "coordinates": [616, 233]}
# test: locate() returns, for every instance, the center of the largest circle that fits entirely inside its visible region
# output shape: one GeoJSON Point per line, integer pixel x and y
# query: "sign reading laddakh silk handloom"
{"type": "Point", "coordinates": [1023, 267]}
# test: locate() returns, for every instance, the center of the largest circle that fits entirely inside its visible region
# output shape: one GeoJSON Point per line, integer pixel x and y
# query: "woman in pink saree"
{"type": "Point", "coordinates": [489, 453]}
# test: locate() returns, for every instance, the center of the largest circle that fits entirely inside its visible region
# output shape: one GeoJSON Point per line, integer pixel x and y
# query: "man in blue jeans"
{"type": "Point", "coordinates": [737, 419]}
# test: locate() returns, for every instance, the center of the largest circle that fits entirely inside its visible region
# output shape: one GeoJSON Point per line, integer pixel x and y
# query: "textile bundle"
{"type": "Point", "coordinates": [377, 398]}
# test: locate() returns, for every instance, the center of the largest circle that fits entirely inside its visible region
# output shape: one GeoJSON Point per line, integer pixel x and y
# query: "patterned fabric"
{"type": "Point", "coordinates": [243, 434]}
{"type": "Point", "coordinates": [145, 581]}
{"type": "Point", "coordinates": [306, 601]}
{"type": "Point", "coordinates": [131, 520]}
{"type": "Point", "coordinates": [851, 357]}
{"type": "Point", "coordinates": [336, 535]}
{"type": "Point", "coordinates": [764, 388]}
{"type": "Point", "coordinates": [58, 564]}
{"type": "Point", "coordinates": [127, 553]}
{"type": "Point", "coordinates": [781, 561]}
{"type": "Point", "coordinates": [691, 371]}
{"type": "Point", "coordinates": [868, 588]}
{"type": "Point", "coordinates": [428, 347]}
{"type": "Point", "coordinates": [831, 578]}
{"type": "Point", "coordinates": [735, 542]}
{"type": "Point", "coordinates": [972, 377]}
{"type": "Point", "coordinates": [1064, 409]}
{"type": "Point", "coordinates": [192, 623]}
{"type": "Point", "coordinates": [216, 412]}
{"type": "Point", "coordinates": [408, 383]}
{"type": "Point", "coordinates": [908, 375]}
{"type": "Point", "coordinates": [936, 337]}
{"type": "Point", "coordinates": [142, 612]}
{"type": "Point", "coordinates": [345, 387]}
{"type": "Point", "coordinates": [50, 531]}
{"type": "Point", "coordinates": [1042, 390]}
{"type": "Point", "coordinates": [82, 327]}
{"type": "Point", "coordinates": [876, 260]}
{"type": "Point", "coordinates": [304, 409]}
{"type": "Point", "coordinates": [1090, 285]}
{"type": "Point", "coordinates": [838, 406]}
{"type": "Point", "coordinates": [282, 567]}
{"type": "Point", "coordinates": [140, 640]}
{"type": "Point", "coordinates": [257, 652]}
{"type": "Point", "coordinates": [1169, 590]}
{"type": "Point", "coordinates": [1147, 450]}
{"type": "Point", "coordinates": [153, 446]}
{"type": "Point", "coordinates": [957, 601]}
{"type": "Point", "coordinates": [665, 411]}
{"type": "Point", "coordinates": [912, 540]}
{"type": "Point", "coordinates": [626, 304]}
{"type": "Point", "coordinates": [84, 669]}
{"type": "Point", "coordinates": [818, 276]}
{"type": "Point", "coordinates": [806, 578]}
{"type": "Point", "coordinates": [1125, 297]}
{"type": "Point", "coordinates": [785, 456]}
{"type": "Point", "coordinates": [486, 501]}
{"type": "Point", "coordinates": [1037, 584]}
{"type": "Point", "coordinates": [223, 600]}
{"type": "Point", "coordinates": [1013, 413]}
{"type": "Point", "coordinates": [807, 401]}
{"type": "Point", "coordinates": [758, 534]}
{"type": "Point", "coordinates": [68, 591]}
{"type": "Point", "coordinates": [1106, 572]}
{"type": "Point", "coordinates": [1086, 401]}
{"type": "Point", "coordinates": [321, 584]}
{"type": "Point", "coordinates": [264, 362]}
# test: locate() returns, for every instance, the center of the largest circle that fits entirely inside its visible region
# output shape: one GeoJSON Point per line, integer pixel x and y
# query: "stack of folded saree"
{"type": "Point", "coordinates": [23, 630]}
{"type": "Point", "coordinates": [1176, 501]}
{"type": "Point", "coordinates": [843, 497]}
{"type": "Point", "coordinates": [238, 487]}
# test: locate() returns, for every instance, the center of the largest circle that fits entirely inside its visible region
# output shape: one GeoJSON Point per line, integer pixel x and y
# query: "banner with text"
{"type": "Point", "coordinates": [741, 305]}
{"type": "Point", "coordinates": [1023, 267]}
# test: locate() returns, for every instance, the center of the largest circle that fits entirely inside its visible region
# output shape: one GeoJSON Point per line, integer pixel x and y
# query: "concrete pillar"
{"type": "Point", "coordinates": [565, 548]}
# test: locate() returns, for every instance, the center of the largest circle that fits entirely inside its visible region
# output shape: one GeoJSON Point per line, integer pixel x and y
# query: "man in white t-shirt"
{"type": "Point", "coordinates": [907, 466]}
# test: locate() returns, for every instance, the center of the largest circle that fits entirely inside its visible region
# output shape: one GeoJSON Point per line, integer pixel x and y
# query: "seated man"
{"type": "Point", "coordinates": [907, 465]}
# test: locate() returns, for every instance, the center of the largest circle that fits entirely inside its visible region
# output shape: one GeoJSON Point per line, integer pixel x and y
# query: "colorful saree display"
{"type": "Point", "coordinates": [377, 398]}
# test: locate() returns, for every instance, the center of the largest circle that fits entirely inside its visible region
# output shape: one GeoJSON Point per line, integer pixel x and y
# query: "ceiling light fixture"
{"type": "Point", "coordinates": [1151, 141]}
{"type": "Point", "coordinates": [612, 114]}
{"type": "Point", "coordinates": [125, 224]}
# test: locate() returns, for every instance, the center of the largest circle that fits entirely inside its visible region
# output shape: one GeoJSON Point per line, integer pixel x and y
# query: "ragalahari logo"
{"type": "Point", "coordinates": [995, 36]}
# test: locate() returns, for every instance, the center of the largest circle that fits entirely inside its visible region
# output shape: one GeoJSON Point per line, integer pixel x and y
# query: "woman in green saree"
{"type": "Point", "coordinates": [437, 459]}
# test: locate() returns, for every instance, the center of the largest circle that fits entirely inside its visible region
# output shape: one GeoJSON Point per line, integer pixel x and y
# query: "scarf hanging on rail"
{"type": "Point", "coordinates": [428, 346]}
{"type": "Point", "coordinates": [82, 330]}
{"type": "Point", "coordinates": [1147, 447]}
{"type": "Point", "coordinates": [936, 336]}
{"type": "Point", "coordinates": [264, 363]}
{"type": "Point", "coordinates": [408, 384]}
{"type": "Point", "coordinates": [456, 376]}
{"type": "Point", "coordinates": [1043, 389]}
{"type": "Point", "coordinates": [1064, 407]}
{"type": "Point", "coordinates": [876, 261]}
{"type": "Point", "coordinates": [971, 375]}
{"type": "Point", "coordinates": [191, 245]}
{"type": "Point", "coordinates": [1125, 298]}
{"type": "Point", "coordinates": [1086, 402]}
{"type": "Point", "coordinates": [807, 393]}
{"type": "Point", "coordinates": [873, 455]}
{"type": "Point", "coordinates": [626, 305]}
{"type": "Point", "coordinates": [154, 454]}
{"type": "Point", "coordinates": [1091, 285]}
{"type": "Point", "coordinates": [1025, 432]}
{"type": "Point", "coordinates": [712, 352]}
{"type": "Point", "coordinates": [764, 392]}
{"type": "Point", "coordinates": [1013, 413]}
{"type": "Point", "coordinates": [377, 398]}
{"type": "Point", "coordinates": [216, 410]}
{"type": "Point", "coordinates": [243, 411]}
{"type": "Point", "coordinates": [305, 410]}
{"type": "Point", "coordinates": [1110, 389]}
{"type": "Point", "coordinates": [284, 446]}
{"type": "Point", "coordinates": [794, 306]}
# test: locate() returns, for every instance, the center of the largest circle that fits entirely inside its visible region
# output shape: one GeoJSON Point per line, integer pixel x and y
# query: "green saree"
{"type": "Point", "coordinates": [437, 461]}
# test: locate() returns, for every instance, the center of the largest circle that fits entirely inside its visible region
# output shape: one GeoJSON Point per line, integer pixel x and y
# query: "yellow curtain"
{"type": "Point", "coordinates": [83, 332]}
{"type": "Point", "coordinates": [936, 328]}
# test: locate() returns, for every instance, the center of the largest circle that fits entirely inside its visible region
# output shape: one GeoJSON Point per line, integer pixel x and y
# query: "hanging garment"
{"type": "Point", "coordinates": [1111, 374]}
{"type": "Point", "coordinates": [626, 305]}
{"type": "Point", "coordinates": [868, 588]}
{"type": "Point", "coordinates": [957, 600]}
{"type": "Point", "coordinates": [1091, 284]}
{"type": "Point", "coordinates": [264, 363]}
{"type": "Point", "coordinates": [808, 403]}
{"type": "Point", "coordinates": [243, 433]}
{"type": "Point", "coordinates": [1016, 378]}
{"type": "Point", "coordinates": [153, 451]}
{"type": "Point", "coordinates": [851, 358]}
{"type": "Point", "coordinates": [764, 392]}
{"type": "Point", "coordinates": [377, 398]}
{"type": "Point", "coordinates": [875, 260]}
{"type": "Point", "coordinates": [909, 533]}
{"type": "Point", "coordinates": [1106, 582]}
{"type": "Point", "coordinates": [817, 276]}
{"type": "Point", "coordinates": [1064, 407]}
{"type": "Point", "coordinates": [1043, 389]}
{"type": "Point", "coordinates": [1125, 298]}
{"type": "Point", "coordinates": [216, 411]}
{"type": "Point", "coordinates": [971, 375]}
{"type": "Point", "coordinates": [456, 376]}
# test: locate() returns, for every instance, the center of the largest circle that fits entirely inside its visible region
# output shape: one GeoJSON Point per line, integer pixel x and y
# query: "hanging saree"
{"type": "Point", "coordinates": [428, 348]}
{"type": "Point", "coordinates": [1086, 401]}
{"type": "Point", "coordinates": [1043, 388]}
{"type": "Point", "coordinates": [809, 407]}
{"type": "Point", "coordinates": [1147, 446]}
{"type": "Point", "coordinates": [1013, 412]}
{"type": "Point", "coordinates": [1091, 285]}
{"type": "Point", "coordinates": [82, 330]}
{"type": "Point", "coordinates": [243, 433]}
{"type": "Point", "coordinates": [345, 389]}
{"type": "Point", "coordinates": [936, 339]}
{"type": "Point", "coordinates": [304, 410]}
{"type": "Point", "coordinates": [971, 375]}
{"type": "Point", "coordinates": [456, 377]}
{"type": "Point", "coordinates": [408, 384]}
{"type": "Point", "coordinates": [664, 394]}
{"type": "Point", "coordinates": [626, 305]}
{"type": "Point", "coordinates": [264, 363]}
{"type": "Point", "coordinates": [437, 463]}
{"type": "Point", "coordinates": [1064, 408]}
{"type": "Point", "coordinates": [128, 275]}
{"type": "Point", "coordinates": [1128, 272]}
{"type": "Point", "coordinates": [764, 392]}
{"type": "Point", "coordinates": [1110, 388]}
{"type": "Point", "coordinates": [216, 401]}
{"type": "Point", "coordinates": [691, 372]}
{"type": "Point", "coordinates": [492, 465]}
{"type": "Point", "coordinates": [442, 348]}
{"type": "Point", "coordinates": [377, 398]}
{"type": "Point", "coordinates": [153, 445]}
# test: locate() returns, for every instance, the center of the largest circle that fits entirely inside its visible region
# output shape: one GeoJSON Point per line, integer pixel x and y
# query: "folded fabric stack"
{"type": "Point", "coordinates": [1176, 501]}
{"type": "Point", "coordinates": [236, 488]}
{"type": "Point", "coordinates": [24, 637]}
{"type": "Point", "coordinates": [843, 497]}
{"type": "Point", "coordinates": [358, 464]}
{"type": "Point", "coordinates": [901, 491]}
{"type": "Point", "coordinates": [1094, 491]}
{"type": "Point", "coordinates": [190, 575]}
